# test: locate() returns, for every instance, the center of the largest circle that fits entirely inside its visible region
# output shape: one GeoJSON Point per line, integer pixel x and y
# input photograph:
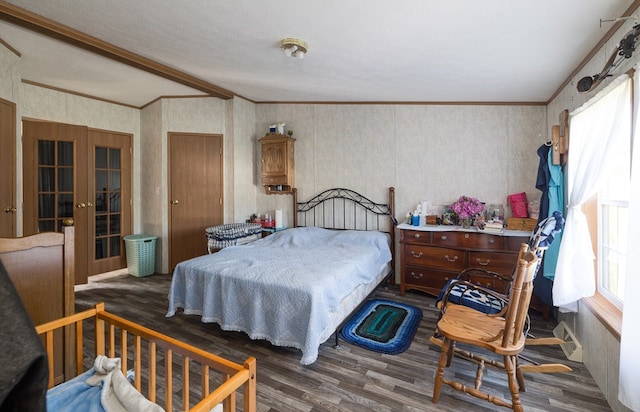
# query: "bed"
{"type": "Point", "coordinates": [41, 364]}
{"type": "Point", "coordinates": [295, 287]}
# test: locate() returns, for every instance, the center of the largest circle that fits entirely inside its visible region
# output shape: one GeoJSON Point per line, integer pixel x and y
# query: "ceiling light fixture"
{"type": "Point", "coordinates": [294, 47]}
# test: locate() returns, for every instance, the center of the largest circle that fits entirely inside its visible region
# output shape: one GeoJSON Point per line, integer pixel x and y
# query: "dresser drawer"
{"type": "Point", "coordinates": [415, 236]}
{"type": "Point", "coordinates": [468, 240]}
{"type": "Point", "coordinates": [492, 283]}
{"type": "Point", "coordinates": [455, 239]}
{"type": "Point", "coordinates": [427, 278]}
{"type": "Point", "coordinates": [503, 263]}
{"type": "Point", "coordinates": [435, 257]}
{"type": "Point", "coordinates": [514, 242]}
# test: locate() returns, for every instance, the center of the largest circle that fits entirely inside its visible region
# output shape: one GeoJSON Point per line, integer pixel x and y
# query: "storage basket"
{"type": "Point", "coordinates": [221, 236]}
{"type": "Point", "coordinates": [141, 254]}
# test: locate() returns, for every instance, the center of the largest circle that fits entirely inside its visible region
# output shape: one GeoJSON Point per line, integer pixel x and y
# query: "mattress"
{"type": "Point", "coordinates": [291, 288]}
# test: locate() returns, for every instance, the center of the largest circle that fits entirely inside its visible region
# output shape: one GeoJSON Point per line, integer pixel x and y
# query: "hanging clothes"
{"type": "Point", "coordinates": [542, 286]}
{"type": "Point", "coordinates": [555, 194]}
{"type": "Point", "coordinates": [542, 180]}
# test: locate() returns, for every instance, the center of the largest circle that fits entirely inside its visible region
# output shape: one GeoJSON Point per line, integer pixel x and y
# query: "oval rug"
{"type": "Point", "coordinates": [383, 326]}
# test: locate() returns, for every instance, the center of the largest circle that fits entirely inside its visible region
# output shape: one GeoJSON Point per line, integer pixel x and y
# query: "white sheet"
{"type": "Point", "coordinates": [282, 288]}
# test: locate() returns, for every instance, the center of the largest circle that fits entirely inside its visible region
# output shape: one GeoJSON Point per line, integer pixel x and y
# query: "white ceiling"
{"type": "Point", "coordinates": [373, 51]}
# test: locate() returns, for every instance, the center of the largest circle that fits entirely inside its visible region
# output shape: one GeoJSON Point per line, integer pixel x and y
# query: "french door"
{"type": "Point", "coordinates": [73, 172]}
{"type": "Point", "coordinates": [109, 189]}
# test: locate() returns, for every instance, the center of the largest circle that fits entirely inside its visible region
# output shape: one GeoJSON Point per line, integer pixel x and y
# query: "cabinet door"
{"type": "Point", "coordinates": [274, 163]}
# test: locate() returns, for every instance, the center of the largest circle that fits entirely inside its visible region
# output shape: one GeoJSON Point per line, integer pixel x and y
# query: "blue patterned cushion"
{"type": "Point", "coordinates": [462, 294]}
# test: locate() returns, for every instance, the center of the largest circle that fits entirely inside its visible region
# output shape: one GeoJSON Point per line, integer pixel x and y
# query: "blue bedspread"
{"type": "Point", "coordinates": [281, 288]}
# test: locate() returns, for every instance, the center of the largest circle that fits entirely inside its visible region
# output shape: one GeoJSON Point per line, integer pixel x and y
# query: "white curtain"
{"type": "Point", "coordinates": [628, 392]}
{"type": "Point", "coordinates": [594, 134]}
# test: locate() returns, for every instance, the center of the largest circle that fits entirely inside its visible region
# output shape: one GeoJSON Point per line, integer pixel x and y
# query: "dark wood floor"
{"type": "Point", "coordinates": [349, 378]}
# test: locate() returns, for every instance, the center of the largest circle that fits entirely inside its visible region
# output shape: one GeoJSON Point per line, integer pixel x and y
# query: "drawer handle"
{"type": "Point", "coordinates": [491, 241]}
{"type": "Point", "coordinates": [417, 235]}
{"type": "Point", "coordinates": [483, 263]}
{"type": "Point", "coordinates": [416, 255]}
{"type": "Point", "coordinates": [416, 276]}
{"type": "Point", "coordinates": [443, 237]}
{"type": "Point", "coordinates": [466, 236]}
{"type": "Point", "coordinates": [450, 259]}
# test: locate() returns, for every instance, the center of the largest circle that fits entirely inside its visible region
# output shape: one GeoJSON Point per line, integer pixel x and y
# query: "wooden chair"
{"type": "Point", "coordinates": [503, 334]}
{"type": "Point", "coordinates": [466, 290]}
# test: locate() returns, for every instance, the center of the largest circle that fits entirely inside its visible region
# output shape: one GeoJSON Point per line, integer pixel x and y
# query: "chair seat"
{"type": "Point", "coordinates": [464, 324]}
{"type": "Point", "coordinates": [462, 295]}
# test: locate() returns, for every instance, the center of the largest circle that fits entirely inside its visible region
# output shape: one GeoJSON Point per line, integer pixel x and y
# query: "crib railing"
{"type": "Point", "coordinates": [156, 359]}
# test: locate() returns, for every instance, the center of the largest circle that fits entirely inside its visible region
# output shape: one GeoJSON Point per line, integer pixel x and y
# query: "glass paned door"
{"type": "Point", "coordinates": [109, 188]}
{"type": "Point", "coordinates": [55, 184]}
{"type": "Point", "coordinates": [108, 228]}
{"type": "Point", "coordinates": [73, 171]}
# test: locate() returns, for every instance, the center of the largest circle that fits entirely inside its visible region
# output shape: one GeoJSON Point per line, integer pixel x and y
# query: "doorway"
{"type": "Point", "coordinates": [75, 172]}
{"type": "Point", "coordinates": [7, 169]}
{"type": "Point", "coordinates": [195, 192]}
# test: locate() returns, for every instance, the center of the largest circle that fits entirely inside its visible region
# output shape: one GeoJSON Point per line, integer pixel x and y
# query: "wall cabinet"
{"type": "Point", "coordinates": [278, 171]}
{"type": "Point", "coordinates": [430, 257]}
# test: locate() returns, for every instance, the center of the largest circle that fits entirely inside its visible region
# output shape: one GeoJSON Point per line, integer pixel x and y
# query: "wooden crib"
{"type": "Point", "coordinates": [163, 367]}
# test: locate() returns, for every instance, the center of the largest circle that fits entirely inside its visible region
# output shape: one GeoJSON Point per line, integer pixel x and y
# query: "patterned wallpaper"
{"type": "Point", "coordinates": [427, 152]}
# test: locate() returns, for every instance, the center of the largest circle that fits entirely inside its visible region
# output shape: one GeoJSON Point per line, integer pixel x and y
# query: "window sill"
{"type": "Point", "coordinates": [609, 315]}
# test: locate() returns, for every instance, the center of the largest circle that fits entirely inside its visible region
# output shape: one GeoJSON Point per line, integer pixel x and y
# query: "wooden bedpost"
{"type": "Point", "coordinates": [295, 206]}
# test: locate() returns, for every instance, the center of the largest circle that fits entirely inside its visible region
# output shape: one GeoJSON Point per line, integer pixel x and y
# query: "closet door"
{"type": "Point", "coordinates": [8, 205]}
{"type": "Point", "coordinates": [195, 170]}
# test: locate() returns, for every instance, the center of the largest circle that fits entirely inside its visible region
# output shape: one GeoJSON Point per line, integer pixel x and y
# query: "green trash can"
{"type": "Point", "coordinates": [141, 254]}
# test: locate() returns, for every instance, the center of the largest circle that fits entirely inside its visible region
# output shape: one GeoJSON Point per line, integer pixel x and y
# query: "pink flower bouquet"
{"type": "Point", "coordinates": [466, 207]}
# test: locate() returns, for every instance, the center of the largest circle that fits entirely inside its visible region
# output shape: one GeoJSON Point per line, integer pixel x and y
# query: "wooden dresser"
{"type": "Point", "coordinates": [432, 255]}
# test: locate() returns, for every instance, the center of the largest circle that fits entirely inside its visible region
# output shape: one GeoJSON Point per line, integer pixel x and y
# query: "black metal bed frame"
{"type": "Point", "coordinates": [345, 209]}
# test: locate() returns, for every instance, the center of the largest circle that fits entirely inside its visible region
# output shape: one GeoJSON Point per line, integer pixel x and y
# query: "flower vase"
{"type": "Point", "coordinates": [465, 222]}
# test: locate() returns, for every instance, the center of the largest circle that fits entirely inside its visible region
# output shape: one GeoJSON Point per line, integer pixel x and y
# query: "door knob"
{"type": "Point", "coordinates": [89, 204]}
{"type": "Point", "coordinates": [10, 209]}
{"type": "Point", "coordinates": [175, 202]}
{"type": "Point", "coordinates": [81, 205]}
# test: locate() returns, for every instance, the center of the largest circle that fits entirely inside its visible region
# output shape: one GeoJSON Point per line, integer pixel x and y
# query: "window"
{"type": "Point", "coordinates": [599, 164]}
{"type": "Point", "coordinates": [613, 201]}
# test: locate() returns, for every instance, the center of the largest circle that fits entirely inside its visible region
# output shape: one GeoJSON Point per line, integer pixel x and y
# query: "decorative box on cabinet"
{"type": "Point", "coordinates": [431, 256]}
{"type": "Point", "coordinates": [278, 172]}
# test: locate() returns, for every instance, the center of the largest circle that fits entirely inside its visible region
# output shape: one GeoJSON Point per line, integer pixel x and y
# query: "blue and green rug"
{"type": "Point", "coordinates": [383, 326]}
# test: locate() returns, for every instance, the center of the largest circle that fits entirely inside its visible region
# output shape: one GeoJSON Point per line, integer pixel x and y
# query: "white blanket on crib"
{"type": "Point", "coordinates": [281, 288]}
{"type": "Point", "coordinates": [102, 388]}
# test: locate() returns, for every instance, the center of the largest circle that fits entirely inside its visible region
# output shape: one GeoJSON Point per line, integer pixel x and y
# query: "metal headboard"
{"type": "Point", "coordinates": [341, 208]}
{"type": "Point", "coordinates": [345, 209]}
